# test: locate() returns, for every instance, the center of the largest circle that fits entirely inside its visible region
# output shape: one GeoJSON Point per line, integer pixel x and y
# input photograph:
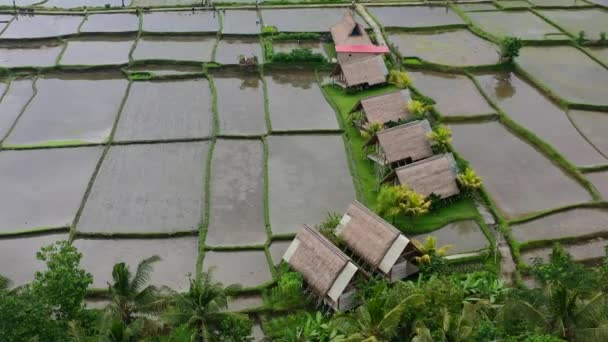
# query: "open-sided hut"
{"type": "Point", "coordinates": [324, 267]}
{"type": "Point", "coordinates": [380, 245]}
{"type": "Point", "coordinates": [360, 65]}
{"type": "Point", "coordinates": [383, 108]}
{"type": "Point", "coordinates": [401, 145]}
{"type": "Point", "coordinates": [435, 175]}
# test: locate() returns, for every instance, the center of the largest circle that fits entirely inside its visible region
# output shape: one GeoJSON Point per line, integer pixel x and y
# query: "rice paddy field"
{"type": "Point", "coordinates": [129, 128]}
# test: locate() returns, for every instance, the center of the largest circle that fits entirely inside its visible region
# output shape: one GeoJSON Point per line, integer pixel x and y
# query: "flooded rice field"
{"type": "Point", "coordinates": [134, 133]}
{"type": "Point", "coordinates": [455, 48]}
{"type": "Point", "coordinates": [519, 178]}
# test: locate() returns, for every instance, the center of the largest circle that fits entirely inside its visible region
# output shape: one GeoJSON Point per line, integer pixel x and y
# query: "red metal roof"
{"type": "Point", "coordinates": [362, 48]}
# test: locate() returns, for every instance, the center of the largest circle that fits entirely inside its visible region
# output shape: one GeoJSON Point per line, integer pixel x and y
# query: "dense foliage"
{"type": "Point", "coordinates": [304, 55]}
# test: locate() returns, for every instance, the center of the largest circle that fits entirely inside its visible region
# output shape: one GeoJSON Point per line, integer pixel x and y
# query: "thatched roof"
{"type": "Point", "coordinates": [349, 32]}
{"type": "Point", "coordinates": [406, 141]}
{"type": "Point", "coordinates": [360, 69]}
{"type": "Point", "coordinates": [385, 107]}
{"type": "Point", "coordinates": [367, 234]}
{"type": "Point", "coordinates": [317, 259]}
{"type": "Point", "coordinates": [435, 175]}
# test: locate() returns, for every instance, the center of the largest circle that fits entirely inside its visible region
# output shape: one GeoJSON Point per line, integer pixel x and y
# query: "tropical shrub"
{"type": "Point", "coordinates": [582, 37]}
{"type": "Point", "coordinates": [509, 48]}
{"type": "Point", "coordinates": [370, 130]}
{"type": "Point", "coordinates": [441, 136]}
{"type": "Point", "coordinates": [469, 180]}
{"type": "Point", "coordinates": [328, 228]}
{"type": "Point", "coordinates": [418, 108]}
{"type": "Point", "coordinates": [303, 55]}
{"type": "Point", "coordinates": [429, 249]}
{"type": "Point", "coordinates": [400, 79]}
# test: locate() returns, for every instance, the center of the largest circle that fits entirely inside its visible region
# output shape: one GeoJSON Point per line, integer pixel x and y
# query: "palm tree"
{"type": "Point", "coordinates": [131, 294]}
{"type": "Point", "coordinates": [441, 136]}
{"type": "Point", "coordinates": [374, 321]}
{"type": "Point", "coordinates": [203, 307]}
{"type": "Point", "coordinates": [469, 179]}
{"type": "Point", "coordinates": [400, 79]}
{"type": "Point", "coordinates": [430, 249]}
{"type": "Point", "coordinates": [417, 108]}
{"type": "Point", "coordinates": [389, 199]}
{"type": "Point", "coordinates": [414, 204]}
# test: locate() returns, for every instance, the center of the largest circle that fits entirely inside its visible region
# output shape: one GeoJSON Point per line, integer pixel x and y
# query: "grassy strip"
{"type": "Point", "coordinates": [134, 235]}
{"type": "Point", "coordinates": [235, 248]}
{"type": "Point", "coordinates": [51, 144]}
{"type": "Point", "coordinates": [216, 116]}
{"type": "Point", "coordinates": [459, 210]}
{"type": "Point", "coordinates": [466, 118]}
{"type": "Point", "coordinates": [207, 210]}
{"type": "Point", "coordinates": [266, 192]}
{"type": "Point", "coordinates": [538, 215]}
{"type": "Point", "coordinates": [12, 127]}
{"type": "Point", "coordinates": [562, 240]}
{"type": "Point", "coordinates": [594, 168]}
{"type": "Point", "coordinates": [34, 231]}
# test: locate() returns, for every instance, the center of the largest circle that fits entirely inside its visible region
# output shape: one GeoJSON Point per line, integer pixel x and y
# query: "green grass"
{"type": "Point", "coordinates": [463, 208]}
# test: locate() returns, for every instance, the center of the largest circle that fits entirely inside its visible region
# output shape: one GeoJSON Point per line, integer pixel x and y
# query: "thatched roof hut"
{"type": "Point", "coordinates": [324, 267]}
{"type": "Point", "coordinates": [360, 70]}
{"type": "Point", "coordinates": [383, 248]}
{"type": "Point", "coordinates": [435, 175]}
{"type": "Point", "coordinates": [403, 144]}
{"type": "Point", "coordinates": [349, 32]}
{"type": "Point", "coordinates": [384, 107]}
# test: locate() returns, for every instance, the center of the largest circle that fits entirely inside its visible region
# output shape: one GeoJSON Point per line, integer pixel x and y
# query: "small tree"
{"type": "Point", "coordinates": [581, 37]}
{"type": "Point", "coordinates": [469, 180]}
{"type": "Point", "coordinates": [328, 228]}
{"type": "Point", "coordinates": [509, 48]}
{"type": "Point", "coordinates": [441, 136]}
{"type": "Point", "coordinates": [389, 199]}
{"type": "Point", "coordinates": [602, 37]}
{"type": "Point", "coordinates": [400, 79]}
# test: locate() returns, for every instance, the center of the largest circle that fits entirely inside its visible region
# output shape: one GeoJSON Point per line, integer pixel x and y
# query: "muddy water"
{"type": "Point", "coordinates": [415, 16]}
{"type": "Point", "coordinates": [464, 236]}
{"type": "Point", "coordinates": [578, 78]}
{"type": "Point", "coordinates": [524, 25]}
{"type": "Point", "coordinates": [296, 102]}
{"type": "Point", "coordinates": [277, 249]}
{"type": "Point", "coordinates": [229, 49]}
{"type": "Point", "coordinates": [70, 109]}
{"type": "Point", "coordinates": [247, 268]}
{"type": "Point", "coordinates": [15, 98]}
{"type": "Point", "coordinates": [18, 256]}
{"type": "Point", "coordinates": [178, 258]}
{"type": "Point", "coordinates": [182, 21]}
{"type": "Point", "coordinates": [531, 109]}
{"type": "Point", "coordinates": [240, 103]}
{"type": "Point", "coordinates": [241, 22]}
{"type": "Point", "coordinates": [601, 54]}
{"type": "Point", "coordinates": [569, 3]}
{"type": "Point", "coordinates": [453, 94]}
{"type": "Point", "coordinates": [594, 126]}
{"type": "Point", "coordinates": [198, 49]}
{"type": "Point", "coordinates": [84, 3]}
{"type": "Point", "coordinates": [152, 3]}
{"type": "Point", "coordinates": [592, 21]}
{"type": "Point", "coordinates": [585, 251]}
{"type": "Point", "coordinates": [600, 180]}
{"type": "Point", "coordinates": [153, 188]}
{"type": "Point", "coordinates": [97, 51]}
{"type": "Point", "coordinates": [315, 167]}
{"type": "Point", "coordinates": [457, 48]}
{"type": "Point", "coordinates": [42, 26]}
{"type": "Point", "coordinates": [574, 222]}
{"type": "Point", "coordinates": [304, 19]}
{"type": "Point", "coordinates": [166, 110]}
{"type": "Point", "coordinates": [115, 22]}
{"type": "Point", "coordinates": [520, 179]}
{"type": "Point", "coordinates": [43, 188]}
{"type": "Point", "coordinates": [29, 54]}
{"type": "Point", "coordinates": [237, 186]}
{"type": "Point", "coordinates": [288, 46]}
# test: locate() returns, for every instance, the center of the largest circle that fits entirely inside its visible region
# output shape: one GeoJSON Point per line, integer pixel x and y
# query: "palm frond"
{"type": "Point", "coordinates": [389, 324]}
{"type": "Point", "coordinates": [142, 275]}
